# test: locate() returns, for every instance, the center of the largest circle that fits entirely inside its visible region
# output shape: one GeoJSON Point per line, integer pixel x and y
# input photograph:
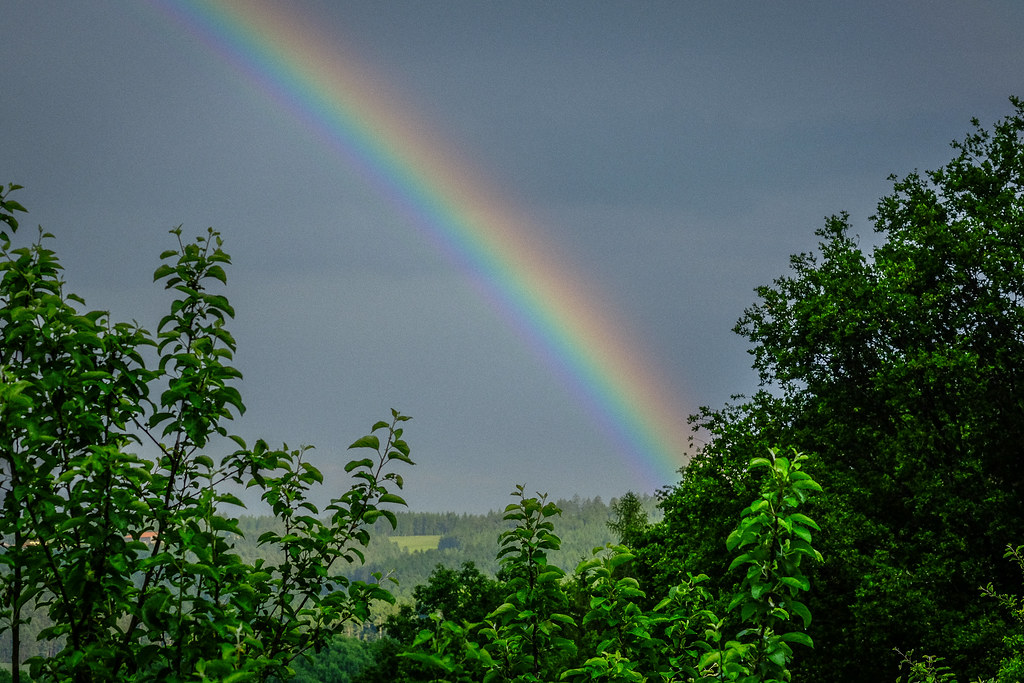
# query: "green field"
{"type": "Point", "coordinates": [415, 543]}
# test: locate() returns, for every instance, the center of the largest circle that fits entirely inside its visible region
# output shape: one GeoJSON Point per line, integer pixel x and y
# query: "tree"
{"type": "Point", "coordinates": [630, 518]}
{"type": "Point", "coordinates": [463, 595]}
{"type": "Point", "coordinates": [459, 595]}
{"type": "Point", "coordinates": [130, 555]}
{"type": "Point", "coordinates": [902, 370]}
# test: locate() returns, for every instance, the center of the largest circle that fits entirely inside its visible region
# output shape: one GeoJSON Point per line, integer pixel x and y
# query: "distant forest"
{"type": "Point", "coordinates": [582, 527]}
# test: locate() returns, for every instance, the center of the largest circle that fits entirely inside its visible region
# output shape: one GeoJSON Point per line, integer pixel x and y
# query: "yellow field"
{"type": "Point", "coordinates": [415, 543]}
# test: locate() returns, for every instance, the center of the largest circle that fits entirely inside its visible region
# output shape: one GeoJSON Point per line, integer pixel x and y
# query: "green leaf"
{"type": "Point", "coordinates": [741, 560]}
{"type": "Point", "coordinates": [801, 518]}
{"type": "Point", "coordinates": [368, 441]}
{"type": "Point", "coordinates": [371, 516]}
{"type": "Point", "coordinates": [620, 559]}
{"type": "Point", "coordinates": [502, 610]}
{"type": "Point", "coordinates": [395, 455]}
{"type": "Point", "coordinates": [230, 499]}
{"type": "Point", "coordinates": [551, 576]}
{"type": "Point", "coordinates": [430, 660]}
{"type": "Point", "coordinates": [562, 619]}
{"type": "Point", "coordinates": [238, 677]}
{"type": "Point", "coordinates": [217, 273]}
{"type": "Point", "coordinates": [154, 608]}
{"type": "Point", "coordinates": [355, 464]}
{"type": "Point", "coordinates": [797, 637]}
{"type": "Point", "coordinates": [94, 375]}
{"type": "Point", "coordinates": [424, 636]}
{"type": "Point", "coordinates": [164, 270]}
{"type": "Point", "coordinates": [779, 657]}
{"type": "Point", "coordinates": [798, 582]}
{"type": "Point", "coordinates": [800, 609]}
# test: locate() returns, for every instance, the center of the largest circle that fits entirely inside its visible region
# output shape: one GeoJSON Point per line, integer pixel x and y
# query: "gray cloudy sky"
{"type": "Point", "coordinates": [675, 153]}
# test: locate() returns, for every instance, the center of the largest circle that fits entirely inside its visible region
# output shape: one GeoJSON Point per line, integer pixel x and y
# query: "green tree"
{"type": "Point", "coordinates": [463, 594]}
{"type": "Point", "coordinates": [131, 557]}
{"type": "Point", "coordinates": [900, 369]}
{"type": "Point", "coordinates": [630, 520]}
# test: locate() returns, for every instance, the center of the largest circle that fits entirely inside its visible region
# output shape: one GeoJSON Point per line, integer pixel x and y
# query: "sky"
{"type": "Point", "coordinates": [529, 225]}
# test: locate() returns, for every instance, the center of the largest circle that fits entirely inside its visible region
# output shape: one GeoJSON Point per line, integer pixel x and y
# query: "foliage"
{"type": "Point", "coordinates": [458, 596]}
{"type": "Point", "coordinates": [703, 507]}
{"type": "Point", "coordinates": [592, 626]}
{"type": "Point", "coordinates": [927, 669]}
{"type": "Point", "coordinates": [776, 538]}
{"type": "Point", "coordinates": [525, 631]}
{"type": "Point", "coordinates": [1011, 668]}
{"type": "Point", "coordinates": [131, 556]}
{"type": "Point", "coordinates": [342, 660]}
{"type": "Point", "coordinates": [630, 520]}
{"type": "Point", "coordinates": [900, 370]}
{"type": "Point", "coordinates": [931, 668]}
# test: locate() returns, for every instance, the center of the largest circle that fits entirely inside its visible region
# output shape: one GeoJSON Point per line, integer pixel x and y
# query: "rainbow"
{"type": "Point", "coordinates": [308, 74]}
